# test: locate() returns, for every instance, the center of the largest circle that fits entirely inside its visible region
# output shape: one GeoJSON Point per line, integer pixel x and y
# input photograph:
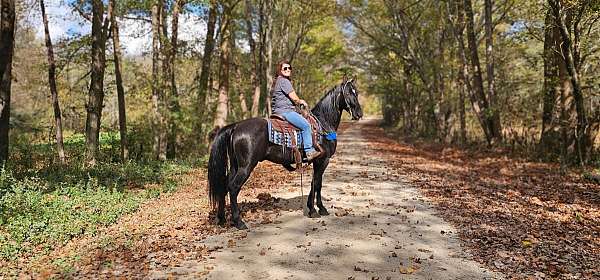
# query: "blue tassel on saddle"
{"type": "Point", "coordinates": [330, 135]}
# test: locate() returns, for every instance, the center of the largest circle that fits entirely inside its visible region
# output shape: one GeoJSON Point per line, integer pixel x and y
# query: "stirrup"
{"type": "Point", "coordinates": [313, 155]}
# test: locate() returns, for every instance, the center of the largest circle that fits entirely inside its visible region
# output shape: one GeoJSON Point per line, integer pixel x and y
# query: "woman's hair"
{"type": "Point", "coordinates": [279, 66]}
{"type": "Point", "coordinates": [278, 72]}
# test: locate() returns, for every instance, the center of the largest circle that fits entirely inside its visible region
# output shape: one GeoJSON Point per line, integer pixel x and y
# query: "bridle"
{"type": "Point", "coordinates": [348, 107]}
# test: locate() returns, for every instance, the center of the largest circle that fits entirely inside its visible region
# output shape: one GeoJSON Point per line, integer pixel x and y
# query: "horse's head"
{"type": "Point", "coordinates": [350, 93]}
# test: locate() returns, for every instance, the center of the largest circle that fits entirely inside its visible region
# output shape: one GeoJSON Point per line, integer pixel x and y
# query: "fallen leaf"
{"type": "Point", "coordinates": [408, 270]}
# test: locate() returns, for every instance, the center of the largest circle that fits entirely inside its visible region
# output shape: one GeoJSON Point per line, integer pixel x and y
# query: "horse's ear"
{"type": "Point", "coordinates": [353, 80]}
{"type": "Point", "coordinates": [345, 78]}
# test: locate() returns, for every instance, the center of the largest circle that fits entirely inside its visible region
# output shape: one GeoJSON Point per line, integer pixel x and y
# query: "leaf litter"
{"type": "Point", "coordinates": [164, 233]}
{"type": "Point", "coordinates": [522, 218]}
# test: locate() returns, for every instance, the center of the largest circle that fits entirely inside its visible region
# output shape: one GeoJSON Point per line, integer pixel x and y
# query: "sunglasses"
{"type": "Point", "coordinates": [286, 68]}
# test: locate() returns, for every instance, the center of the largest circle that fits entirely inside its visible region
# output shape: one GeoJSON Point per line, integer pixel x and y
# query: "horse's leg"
{"type": "Point", "coordinates": [310, 203]}
{"type": "Point", "coordinates": [235, 185]}
{"type": "Point", "coordinates": [221, 210]}
{"type": "Point", "coordinates": [315, 189]}
{"type": "Point", "coordinates": [221, 219]}
{"type": "Point", "coordinates": [319, 169]}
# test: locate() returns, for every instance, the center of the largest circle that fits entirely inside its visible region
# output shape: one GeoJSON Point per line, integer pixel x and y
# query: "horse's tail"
{"type": "Point", "coordinates": [217, 165]}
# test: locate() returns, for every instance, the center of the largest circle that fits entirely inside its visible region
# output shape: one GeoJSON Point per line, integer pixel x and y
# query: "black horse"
{"type": "Point", "coordinates": [245, 143]}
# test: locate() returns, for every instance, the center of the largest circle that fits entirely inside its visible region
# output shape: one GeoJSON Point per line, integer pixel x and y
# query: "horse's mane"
{"type": "Point", "coordinates": [327, 109]}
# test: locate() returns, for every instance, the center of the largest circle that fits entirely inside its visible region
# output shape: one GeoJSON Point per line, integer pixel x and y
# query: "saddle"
{"type": "Point", "coordinates": [283, 133]}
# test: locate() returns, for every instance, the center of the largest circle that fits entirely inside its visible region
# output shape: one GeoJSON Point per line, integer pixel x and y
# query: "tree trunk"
{"type": "Point", "coordinates": [242, 96]}
{"type": "Point", "coordinates": [7, 41]}
{"type": "Point", "coordinates": [119, 81]}
{"type": "Point", "coordinates": [267, 52]}
{"type": "Point", "coordinates": [96, 92]}
{"type": "Point", "coordinates": [174, 30]}
{"type": "Point", "coordinates": [261, 57]}
{"type": "Point", "coordinates": [209, 45]}
{"type": "Point", "coordinates": [566, 112]}
{"type": "Point", "coordinates": [224, 58]}
{"type": "Point", "coordinates": [461, 110]}
{"type": "Point", "coordinates": [408, 112]}
{"type": "Point", "coordinates": [174, 106]}
{"type": "Point", "coordinates": [52, 84]}
{"type": "Point", "coordinates": [550, 136]}
{"type": "Point", "coordinates": [583, 145]}
{"type": "Point", "coordinates": [489, 128]}
{"type": "Point", "coordinates": [464, 74]}
{"type": "Point", "coordinates": [165, 62]}
{"type": "Point", "coordinates": [157, 84]}
{"type": "Point", "coordinates": [489, 54]}
{"type": "Point", "coordinates": [269, 55]}
{"type": "Point", "coordinates": [255, 66]}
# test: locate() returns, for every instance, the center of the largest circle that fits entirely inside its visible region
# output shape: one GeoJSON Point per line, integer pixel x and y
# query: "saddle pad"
{"type": "Point", "coordinates": [283, 139]}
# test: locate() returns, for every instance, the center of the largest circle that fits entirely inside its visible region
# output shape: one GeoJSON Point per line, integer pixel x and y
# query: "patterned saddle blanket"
{"type": "Point", "coordinates": [283, 133]}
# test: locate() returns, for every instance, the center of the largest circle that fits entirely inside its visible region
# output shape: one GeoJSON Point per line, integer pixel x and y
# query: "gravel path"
{"type": "Point", "coordinates": [379, 228]}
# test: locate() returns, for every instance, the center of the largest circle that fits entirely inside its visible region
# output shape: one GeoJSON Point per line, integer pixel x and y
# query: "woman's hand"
{"type": "Point", "coordinates": [301, 102]}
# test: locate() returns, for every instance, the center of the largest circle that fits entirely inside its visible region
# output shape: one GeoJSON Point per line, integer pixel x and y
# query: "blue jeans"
{"type": "Point", "coordinates": [301, 123]}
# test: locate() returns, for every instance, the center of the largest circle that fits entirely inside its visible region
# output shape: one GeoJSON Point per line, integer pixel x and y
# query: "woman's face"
{"type": "Point", "coordinates": [286, 70]}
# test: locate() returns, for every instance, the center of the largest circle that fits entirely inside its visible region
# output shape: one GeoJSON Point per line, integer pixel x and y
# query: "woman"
{"type": "Point", "coordinates": [283, 101]}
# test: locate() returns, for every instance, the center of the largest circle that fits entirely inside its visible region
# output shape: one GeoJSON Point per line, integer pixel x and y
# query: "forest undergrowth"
{"type": "Point", "coordinates": [44, 204]}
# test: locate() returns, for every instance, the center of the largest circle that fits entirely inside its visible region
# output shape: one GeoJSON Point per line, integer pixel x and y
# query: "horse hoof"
{"type": "Point", "coordinates": [220, 221]}
{"type": "Point", "coordinates": [323, 212]}
{"type": "Point", "coordinates": [313, 214]}
{"type": "Point", "coordinates": [241, 225]}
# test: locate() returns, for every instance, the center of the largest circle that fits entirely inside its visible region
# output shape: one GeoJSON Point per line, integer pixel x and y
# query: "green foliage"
{"type": "Point", "coordinates": [38, 211]}
{"type": "Point", "coordinates": [46, 204]}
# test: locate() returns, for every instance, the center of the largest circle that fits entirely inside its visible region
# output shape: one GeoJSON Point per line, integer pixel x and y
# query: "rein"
{"type": "Point", "coordinates": [302, 190]}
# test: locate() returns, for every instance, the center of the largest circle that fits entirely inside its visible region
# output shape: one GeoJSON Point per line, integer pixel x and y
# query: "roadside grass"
{"type": "Point", "coordinates": [44, 204]}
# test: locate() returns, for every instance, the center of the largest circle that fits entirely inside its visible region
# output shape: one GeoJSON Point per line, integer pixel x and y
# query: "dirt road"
{"type": "Point", "coordinates": [379, 228]}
